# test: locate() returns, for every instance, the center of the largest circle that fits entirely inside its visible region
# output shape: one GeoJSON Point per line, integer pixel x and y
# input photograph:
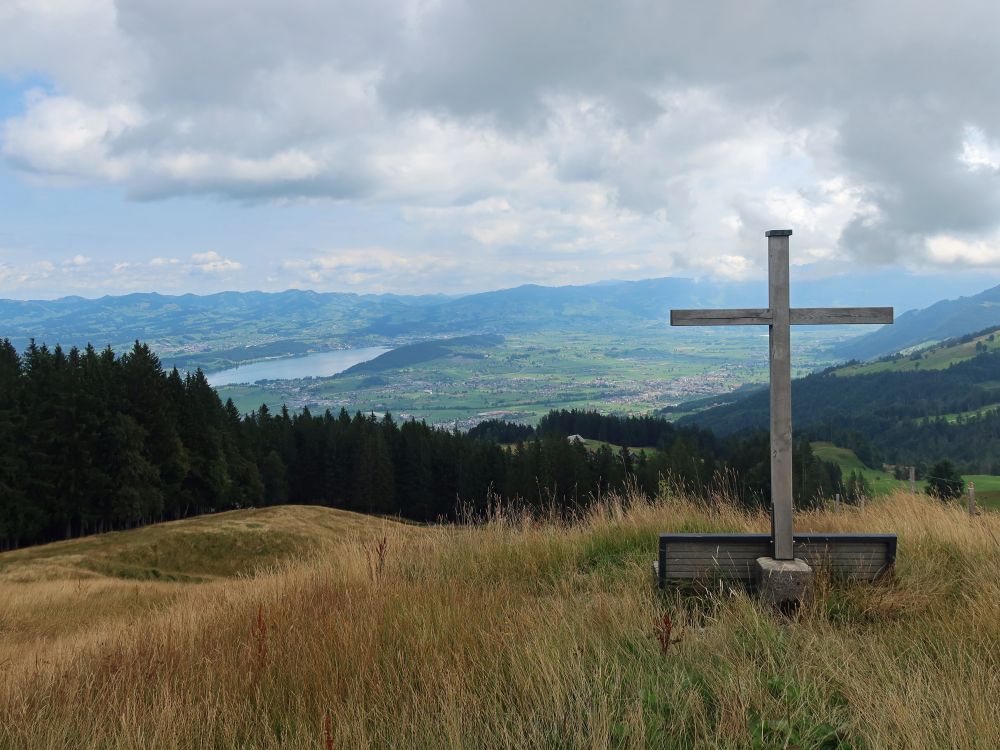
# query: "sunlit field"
{"type": "Point", "coordinates": [305, 627]}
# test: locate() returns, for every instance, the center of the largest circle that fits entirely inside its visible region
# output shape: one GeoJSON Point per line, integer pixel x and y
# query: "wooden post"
{"type": "Point", "coordinates": [781, 393]}
{"type": "Point", "coordinates": [836, 503]}
{"type": "Point", "coordinates": [972, 499]}
{"type": "Point", "coordinates": [913, 480]}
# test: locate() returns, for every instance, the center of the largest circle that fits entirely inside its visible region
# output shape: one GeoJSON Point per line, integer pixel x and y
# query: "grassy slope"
{"type": "Point", "coordinates": [56, 597]}
{"type": "Point", "coordinates": [937, 357]}
{"type": "Point", "coordinates": [524, 634]}
{"type": "Point", "coordinates": [195, 549]}
{"type": "Point", "coordinates": [616, 449]}
{"type": "Point", "coordinates": [882, 482]}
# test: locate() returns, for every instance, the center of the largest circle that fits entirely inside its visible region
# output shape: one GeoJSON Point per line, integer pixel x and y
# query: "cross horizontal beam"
{"type": "Point", "coordinates": [835, 316]}
{"type": "Point", "coordinates": [809, 316]}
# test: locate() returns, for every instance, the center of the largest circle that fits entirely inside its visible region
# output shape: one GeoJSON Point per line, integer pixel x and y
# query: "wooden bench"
{"type": "Point", "coordinates": [687, 558]}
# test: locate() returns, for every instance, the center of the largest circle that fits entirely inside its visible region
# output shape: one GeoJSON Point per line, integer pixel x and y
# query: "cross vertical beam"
{"type": "Point", "coordinates": [781, 393]}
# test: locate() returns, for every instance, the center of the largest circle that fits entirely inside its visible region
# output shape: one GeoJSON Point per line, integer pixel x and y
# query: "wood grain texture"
{"type": "Point", "coordinates": [705, 557]}
{"type": "Point", "coordinates": [725, 317]}
{"type": "Point", "coordinates": [781, 396]}
{"type": "Point", "coordinates": [835, 316]}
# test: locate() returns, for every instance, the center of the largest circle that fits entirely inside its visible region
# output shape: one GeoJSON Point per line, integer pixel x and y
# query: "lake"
{"type": "Point", "coordinates": [319, 365]}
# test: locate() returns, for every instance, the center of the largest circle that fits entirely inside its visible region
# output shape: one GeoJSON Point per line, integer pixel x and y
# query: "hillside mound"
{"type": "Point", "coordinates": [194, 549]}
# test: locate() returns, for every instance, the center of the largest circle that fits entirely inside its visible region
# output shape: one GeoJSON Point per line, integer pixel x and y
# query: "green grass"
{"type": "Point", "coordinates": [616, 449]}
{"type": "Point", "coordinates": [881, 482]}
{"type": "Point", "coordinates": [203, 548]}
{"type": "Point", "coordinates": [956, 416]}
{"type": "Point", "coordinates": [987, 489]}
{"type": "Point", "coordinates": [935, 357]}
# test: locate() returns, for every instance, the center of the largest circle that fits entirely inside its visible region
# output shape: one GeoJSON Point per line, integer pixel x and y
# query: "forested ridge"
{"type": "Point", "coordinates": [91, 441]}
{"type": "Point", "coordinates": [889, 417]}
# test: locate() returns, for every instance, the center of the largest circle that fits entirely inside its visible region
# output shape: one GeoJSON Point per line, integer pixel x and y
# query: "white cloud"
{"type": "Point", "coordinates": [945, 250]}
{"type": "Point", "coordinates": [531, 139]}
{"type": "Point", "coordinates": [377, 269]}
{"type": "Point", "coordinates": [212, 262]}
{"type": "Point", "coordinates": [86, 275]}
{"type": "Point", "coordinates": [978, 152]}
{"type": "Point", "coordinates": [65, 137]}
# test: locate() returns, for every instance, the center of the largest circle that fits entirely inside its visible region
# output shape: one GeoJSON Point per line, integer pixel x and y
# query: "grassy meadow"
{"type": "Point", "coordinates": [304, 627]}
{"type": "Point", "coordinates": [883, 482]}
{"type": "Point", "coordinates": [936, 356]}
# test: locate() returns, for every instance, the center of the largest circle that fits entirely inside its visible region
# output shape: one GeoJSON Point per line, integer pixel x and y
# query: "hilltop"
{"type": "Point", "coordinates": [518, 633]}
{"type": "Point", "coordinates": [468, 347]}
{"type": "Point", "coordinates": [57, 600]}
{"type": "Point", "coordinates": [196, 549]}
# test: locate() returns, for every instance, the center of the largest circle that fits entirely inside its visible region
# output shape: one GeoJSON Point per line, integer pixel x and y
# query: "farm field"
{"type": "Point", "coordinates": [526, 375]}
{"type": "Point", "coordinates": [518, 633]}
{"type": "Point", "coordinates": [987, 489]}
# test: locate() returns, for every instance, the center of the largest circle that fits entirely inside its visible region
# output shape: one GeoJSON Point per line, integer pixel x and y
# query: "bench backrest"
{"type": "Point", "coordinates": [688, 557]}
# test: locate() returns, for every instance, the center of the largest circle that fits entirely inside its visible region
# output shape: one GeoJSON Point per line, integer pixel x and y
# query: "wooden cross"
{"type": "Point", "coordinates": [779, 317]}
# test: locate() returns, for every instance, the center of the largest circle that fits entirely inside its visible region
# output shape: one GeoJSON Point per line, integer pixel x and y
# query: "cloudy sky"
{"type": "Point", "coordinates": [438, 145]}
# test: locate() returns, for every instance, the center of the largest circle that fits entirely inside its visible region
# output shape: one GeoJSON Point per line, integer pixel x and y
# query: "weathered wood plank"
{"type": "Point", "coordinates": [676, 556]}
{"type": "Point", "coordinates": [846, 550]}
{"type": "Point", "coordinates": [723, 558]}
{"type": "Point", "coordinates": [781, 396]}
{"type": "Point", "coordinates": [749, 573]}
{"type": "Point", "coordinates": [814, 316]}
{"type": "Point", "coordinates": [746, 573]}
{"type": "Point", "coordinates": [702, 549]}
{"type": "Point", "coordinates": [746, 556]}
{"type": "Point", "coordinates": [691, 557]}
{"type": "Point", "coordinates": [732, 317]}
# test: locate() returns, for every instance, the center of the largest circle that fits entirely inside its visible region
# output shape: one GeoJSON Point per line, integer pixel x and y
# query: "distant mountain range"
{"type": "Point", "coordinates": [221, 330]}
{"type": "Point", "coordinates": [942, 320]}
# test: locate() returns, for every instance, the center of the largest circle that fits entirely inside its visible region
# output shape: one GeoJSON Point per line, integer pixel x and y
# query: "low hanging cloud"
{"type": "Point", "coordinates": [646, 136]}
{"type": "Point", "coordinates": [46, 277]}
{"type": "Point", "coordinates": [212, 262]}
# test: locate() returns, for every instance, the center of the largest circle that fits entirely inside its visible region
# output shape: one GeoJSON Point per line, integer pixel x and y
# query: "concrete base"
{"type": "Point", "coordinates": [784, 583]}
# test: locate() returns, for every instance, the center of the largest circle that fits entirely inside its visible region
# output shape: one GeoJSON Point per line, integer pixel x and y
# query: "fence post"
{"type": "Point", "coordinates": [972, 499]}
{"type": "Point", "coordinates": [913, 480]}
{"type": "Point", "coordinates": [836, 503]}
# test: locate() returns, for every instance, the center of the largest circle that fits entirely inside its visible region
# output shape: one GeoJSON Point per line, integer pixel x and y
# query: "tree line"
{"type": "Point", "coordinates": [92, 441]}
{"type": "Point", "coordinates": [889, 417]}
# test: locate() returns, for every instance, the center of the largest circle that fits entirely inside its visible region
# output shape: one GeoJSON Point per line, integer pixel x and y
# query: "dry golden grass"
{"type": "Point", "coordinates": [516, 633]}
